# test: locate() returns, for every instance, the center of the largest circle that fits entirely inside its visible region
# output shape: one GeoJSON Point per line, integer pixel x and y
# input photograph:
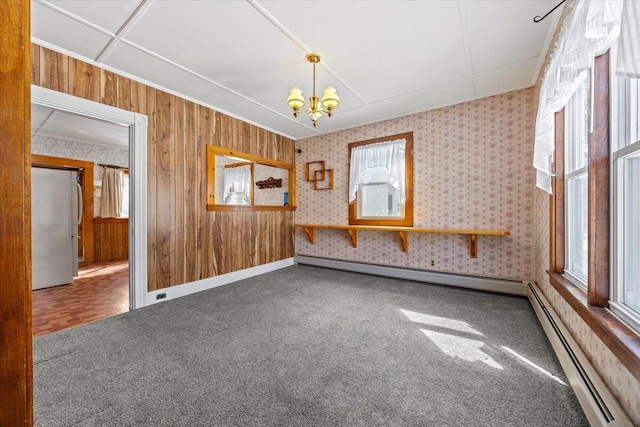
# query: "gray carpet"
{"type": "Point", "coordinates": [307, 346]}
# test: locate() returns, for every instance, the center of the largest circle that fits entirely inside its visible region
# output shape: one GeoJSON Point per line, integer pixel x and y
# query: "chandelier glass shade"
{"type": "Point", "coordinates": [317, 108]}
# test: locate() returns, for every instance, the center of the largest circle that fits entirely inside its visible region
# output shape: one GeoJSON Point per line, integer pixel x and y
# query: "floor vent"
{"type": "Point", "coordinates": [599, 405]}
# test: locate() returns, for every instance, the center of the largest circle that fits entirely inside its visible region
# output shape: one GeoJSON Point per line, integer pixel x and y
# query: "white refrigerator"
{"type": "Point", "coordinates": [56, 212]}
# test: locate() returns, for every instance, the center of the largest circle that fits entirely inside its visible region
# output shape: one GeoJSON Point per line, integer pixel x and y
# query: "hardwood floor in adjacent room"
{"type": "Point", "coordinates": [100, 291]}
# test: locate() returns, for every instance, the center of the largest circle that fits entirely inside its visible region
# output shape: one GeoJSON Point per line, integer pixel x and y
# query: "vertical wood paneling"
{"type": "Point", "coordinates": [35, 64]}
{"type": "Point", "coordinates": [179, 196]}
{"type": "Point", "coordinates": [84, 80]}
{"type": "Point", "coordinates": [165, 190]}
{"type": "Point", "coordinates": [16, 401]}
{"type": "Point", "coordinates": [54, 70]}
{"type": "Point", "coordinates": [190, 202]}
{"type": "Point", "coordinates": [152, 226]}
{"type": "Point", "coordinates": [109, 88]}
{"type": "Point", "coordinates": [111, 240]}
{"type": "Point", "coordinates": [185, 242]}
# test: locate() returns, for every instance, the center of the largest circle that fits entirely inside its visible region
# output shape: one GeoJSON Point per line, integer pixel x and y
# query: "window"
{"type": "Point", "coordinates": [625, 155]}
{"type": "Point", "coordinates": [613, 232]}
{"type": "Point", "coordinates": [124, 212]}
{"type": "Point", "coordinates": [576, 150]}
{"type": "Point", "coordinates": [380, 181]}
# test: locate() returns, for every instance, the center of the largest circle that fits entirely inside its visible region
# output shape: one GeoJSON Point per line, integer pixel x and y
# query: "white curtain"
{"type": "Point", "coordinates": [389, 155]}
{"type": "Point", "coordinates": [629, 48]}
{"type": "Point", "coordinates": [111, 196]}
{"type": "Point", "coordinates": [237, 185]}
{"type": "Point", "coordinates": [589, 30]}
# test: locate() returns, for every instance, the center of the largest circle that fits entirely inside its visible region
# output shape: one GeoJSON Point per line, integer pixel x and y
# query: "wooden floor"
{"type": "Point", "coordinates": [100, 291]}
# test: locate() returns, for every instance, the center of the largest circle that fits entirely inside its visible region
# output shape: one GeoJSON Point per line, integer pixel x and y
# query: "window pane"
{"type": "Point", "coordinates": [577, 128]}
{"type": "Point", "coordinates": [630, 191]}
{"type": "Point", "coordinates": [378, 200]}
{"type": "Point", "coordinates": [628, 117]}
{"type": "Point", "coordinates": [125, 196]}
{"type": "Point", "coordinates": [577, 233]}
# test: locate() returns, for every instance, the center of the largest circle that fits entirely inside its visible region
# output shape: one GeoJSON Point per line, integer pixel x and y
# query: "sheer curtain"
{"type": "Point", "coordinates": [589, 30]}
{"type": "Point", "coordinates": [388, 155]}
{"type": "Point", "coordinates": [237, 185]}
{"type": "Point", "coordinates": [111, 199]}
{"type": "Point", "coordinates": [629, 48]}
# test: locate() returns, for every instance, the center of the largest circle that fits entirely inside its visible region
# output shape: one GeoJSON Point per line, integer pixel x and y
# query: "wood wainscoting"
{"type": "Point", "coordinates": [110, 239]}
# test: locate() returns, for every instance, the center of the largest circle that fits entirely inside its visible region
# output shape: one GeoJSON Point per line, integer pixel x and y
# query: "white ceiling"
{"type": "Point", "coordinates": [385, 58]}
{"type": "Point", "coordinates": [61, 124]}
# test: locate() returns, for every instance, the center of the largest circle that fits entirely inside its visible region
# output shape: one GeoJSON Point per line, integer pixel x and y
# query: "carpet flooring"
{"type": "Point", "coordinates": [307, 346]}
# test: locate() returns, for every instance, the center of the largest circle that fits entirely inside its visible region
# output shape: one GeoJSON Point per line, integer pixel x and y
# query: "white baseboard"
{"type": "Point", "coordinates": [214, 282]}
{"type": "Point", "coordinates": [512, 287]}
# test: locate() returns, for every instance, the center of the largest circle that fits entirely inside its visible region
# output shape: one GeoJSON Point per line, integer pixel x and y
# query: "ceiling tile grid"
{"type": "Point", "coordinates": [385, 58]}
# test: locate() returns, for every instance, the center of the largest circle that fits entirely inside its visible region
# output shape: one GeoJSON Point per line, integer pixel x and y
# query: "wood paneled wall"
{"type": "Point", "coordinates": [185, 242]}
{"type": "Point", "coordinates": [110, 239]}
{"type": "Point", "coordinates": [16, 396]}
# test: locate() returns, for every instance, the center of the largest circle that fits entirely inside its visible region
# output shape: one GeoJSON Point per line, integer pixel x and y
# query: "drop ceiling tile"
{"type": "Point", "coordinates": [381, 48]}
{"type": "Point", "coordinates": [505, 79]}
{"type": "Point", "coordinates": [502, 33]}
{"type": "Point", "coordinates": [59, 30]}
{"type": "Point", "coordinates": [107, 14]}
{"type": "Point", "coordinates": [38, 115]}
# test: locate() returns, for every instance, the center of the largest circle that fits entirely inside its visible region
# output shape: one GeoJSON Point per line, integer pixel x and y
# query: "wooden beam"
{"type": "Point", "coordinates": [16, 377]}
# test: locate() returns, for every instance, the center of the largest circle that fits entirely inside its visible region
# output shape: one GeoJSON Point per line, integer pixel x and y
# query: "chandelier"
{"type": "Point", "coordinates": [330, 99]}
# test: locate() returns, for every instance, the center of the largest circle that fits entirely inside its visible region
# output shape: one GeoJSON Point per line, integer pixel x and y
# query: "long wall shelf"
{"type": "Point", "coordinates": [352, 230]}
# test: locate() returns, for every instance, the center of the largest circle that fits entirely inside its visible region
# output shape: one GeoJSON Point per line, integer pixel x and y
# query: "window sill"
{"type": "Point", "coordinates": [623, 341]}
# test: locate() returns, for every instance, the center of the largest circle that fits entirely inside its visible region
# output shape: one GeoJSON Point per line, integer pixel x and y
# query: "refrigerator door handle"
{"type": "Point", "coordinates": [78, 219]}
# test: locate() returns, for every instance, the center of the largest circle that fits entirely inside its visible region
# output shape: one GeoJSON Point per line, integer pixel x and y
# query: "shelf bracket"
{"type": "Point", "coordinates": [473, 245]}
{"type": "Point", "coordinates": [354, 237]}
{"type": "Point", "coordinates": [310, 234]}
{"type": "Point", "coordinates": [404, 238]}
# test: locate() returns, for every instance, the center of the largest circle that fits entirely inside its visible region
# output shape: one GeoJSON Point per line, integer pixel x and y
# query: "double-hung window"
{"type": "Point", "coordinates": [380, 181]}
{"type": "Point", "coordinates": [576, 168]}
{"type": "Point", "coordinates": [625, 155]}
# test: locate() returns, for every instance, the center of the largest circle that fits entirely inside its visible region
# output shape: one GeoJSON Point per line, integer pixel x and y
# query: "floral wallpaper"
{"type": "Point", "coordinates": [471, 170]}
{"type": "Point", "coordinates": [621, 382]}
{"type": "Point", "coordinates": [98, 154]}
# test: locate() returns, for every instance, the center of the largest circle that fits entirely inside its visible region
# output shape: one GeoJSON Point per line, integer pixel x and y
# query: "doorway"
{"type": "Point", "coordinates": [136, 128]}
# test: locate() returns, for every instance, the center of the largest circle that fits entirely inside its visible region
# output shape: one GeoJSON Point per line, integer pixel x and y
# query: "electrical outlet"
{"type": "Point", "coordinates": [162, 295]}
{"type": "Point", "coordinates": [433, 263]}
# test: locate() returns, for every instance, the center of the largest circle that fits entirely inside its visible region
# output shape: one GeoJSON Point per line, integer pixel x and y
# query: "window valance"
{"type": "Point", "coordinates": [387, 155]}
{"type": "Point", "coordinates": [589, 30]}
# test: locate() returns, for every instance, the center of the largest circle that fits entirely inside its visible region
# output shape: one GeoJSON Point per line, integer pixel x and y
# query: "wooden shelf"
{"type": "Point", "coordinates": [352, 230]}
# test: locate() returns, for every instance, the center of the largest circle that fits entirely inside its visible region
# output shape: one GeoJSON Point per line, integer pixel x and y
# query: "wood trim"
{"type": "Point", "coordinates": [599, 192]}
{"type": "Point", "coordinates": [623, 342]}
{"type": "Point", "coordinates": [407, 221]}
{"type": "Point", "coordinates": [87, 193]}
{"type": "Point", "coordinates": [250, 157]}
{"type": "Point", "coordinates": [556, 205]}
{"type": "Point", "coordinates": [16, 363]}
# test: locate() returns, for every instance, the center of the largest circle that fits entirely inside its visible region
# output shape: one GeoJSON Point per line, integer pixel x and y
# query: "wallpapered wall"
{"type": "Point", "coordinates": [98, 154]}
{"type": "Point", "coordinates": [471, 170]}
{"type": "Point", "coordinates": [621, 382]}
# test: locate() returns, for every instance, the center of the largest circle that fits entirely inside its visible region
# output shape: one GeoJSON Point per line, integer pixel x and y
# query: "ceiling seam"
{"type": "Point", "coordinates": [76, 18]}
{"type": "Point", "coordinates": [124, 29]}
{"type": "Point", "coordinates": [269, 17]}
{"type": "Point", "coordinates": [212, 82]}
{"type": "Point", "coordinates": [466, 45]}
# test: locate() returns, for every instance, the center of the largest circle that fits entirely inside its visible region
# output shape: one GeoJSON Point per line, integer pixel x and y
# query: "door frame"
{"type": "Point", "coordinates": [137, 124]}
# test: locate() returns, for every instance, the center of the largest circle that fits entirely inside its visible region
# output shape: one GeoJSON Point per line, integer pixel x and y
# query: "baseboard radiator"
{"type": "Point", "coordinates": [599, 405]}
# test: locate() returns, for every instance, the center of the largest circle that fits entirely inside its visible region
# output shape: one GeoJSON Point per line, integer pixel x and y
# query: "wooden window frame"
{"type": "Point", "coordinates": [592, 305]}
{"type": "Point", "coordinates": [407, 221]}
